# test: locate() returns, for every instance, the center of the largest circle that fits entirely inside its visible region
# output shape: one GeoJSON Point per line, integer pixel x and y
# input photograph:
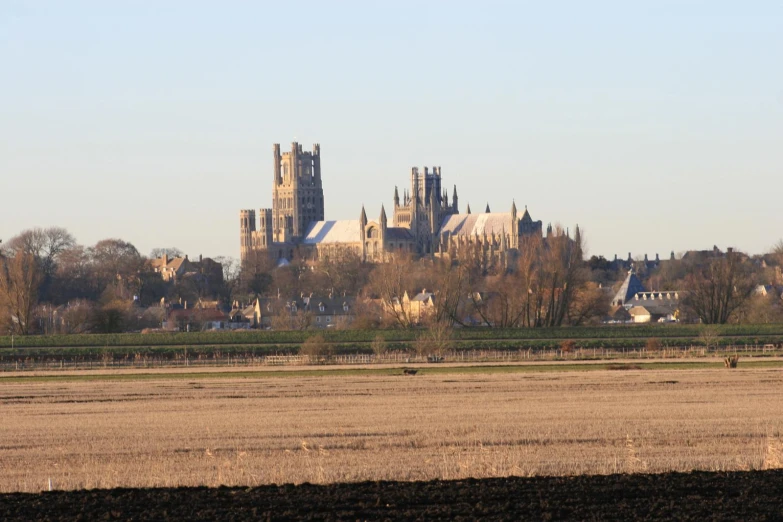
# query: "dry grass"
{"type": "Point", "coordinates": [251, 431]}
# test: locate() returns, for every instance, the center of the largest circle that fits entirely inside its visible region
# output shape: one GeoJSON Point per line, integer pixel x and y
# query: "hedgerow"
{"type": "Point", "coordinates": [266, 338]}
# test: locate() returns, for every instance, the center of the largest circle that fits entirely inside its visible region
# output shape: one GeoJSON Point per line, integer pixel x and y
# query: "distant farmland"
{"type": "Point", "coordinates": [244, 429]}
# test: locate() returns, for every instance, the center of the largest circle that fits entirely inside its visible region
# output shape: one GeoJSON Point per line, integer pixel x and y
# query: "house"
{"type": "Point", "coordinates": [176, 268]}
{"type": "Point", "coordinates": [171, 269]}
{"type": "Point", "coordinates": [179, 316]}
{"type": "Point", "coordinates": [249, 315]}
{"type": "Point", "coordinates": [307, 311]}
{"type": "Point", "coordinates": [765, 290]}
{"type": "Point", "coordinates": [416, 309]}
{"type": "Point", "coordinates": [618, 314]}
{"type": "Point", "coordinates": [661, 307]}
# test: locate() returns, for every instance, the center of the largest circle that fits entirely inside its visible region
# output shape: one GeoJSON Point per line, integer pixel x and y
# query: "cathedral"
{"type": "Point", "coordinates": [424, 223]}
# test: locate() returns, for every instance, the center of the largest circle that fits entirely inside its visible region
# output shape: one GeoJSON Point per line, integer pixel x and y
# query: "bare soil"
{"type": "Point", "coordinates": [671, 496]}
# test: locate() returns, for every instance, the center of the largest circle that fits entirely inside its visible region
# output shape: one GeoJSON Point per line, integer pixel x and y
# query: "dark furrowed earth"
{"type": "Point", "coordinates": [756, 495]}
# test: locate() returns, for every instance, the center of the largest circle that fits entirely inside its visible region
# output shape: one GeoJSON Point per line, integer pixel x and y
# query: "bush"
{"type": "Point", "coordinates": [316, 348]}
{"type": "Point", "coordinates": [652, 344]}
{"type": "Point", "coordinates": [379, 345]}
{"type": "Point", "coordinates": [568, 346]}
{"type": "Point", "coordinates": [435, 340]}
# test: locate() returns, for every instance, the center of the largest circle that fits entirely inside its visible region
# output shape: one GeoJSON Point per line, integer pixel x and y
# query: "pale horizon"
{"type": "Point", "coordinates": [655, 127]}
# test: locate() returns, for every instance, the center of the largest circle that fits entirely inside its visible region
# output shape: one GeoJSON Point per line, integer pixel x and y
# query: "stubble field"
{"type": "Point", "coordinates": [255, 430]}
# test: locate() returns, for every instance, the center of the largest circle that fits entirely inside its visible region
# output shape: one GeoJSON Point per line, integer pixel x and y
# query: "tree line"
{"type": "Point", "coordinates": [111, 287]}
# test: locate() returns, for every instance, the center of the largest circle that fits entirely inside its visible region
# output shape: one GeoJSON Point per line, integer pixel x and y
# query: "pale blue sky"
{"type": "Point", "coordinates": [655, 125]}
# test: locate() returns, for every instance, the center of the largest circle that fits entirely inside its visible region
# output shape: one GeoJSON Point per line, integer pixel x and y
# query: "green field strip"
{"type": "Point", "coordinates": [397, 371]}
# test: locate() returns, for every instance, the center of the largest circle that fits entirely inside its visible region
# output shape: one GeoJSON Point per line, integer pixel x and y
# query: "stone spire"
{"type": "Point", "coordinates": [487, 211]}
{"type": "Point", "coordinates": [363, 231]}
{"type": "Point", "coordinates": [396, 197]}
{"type": "Point", "coordinates": [467, 210]}
{"type": "Point", "coordinates": [454, 200]}
{"type": "Point", "coordinates": [383, 223]}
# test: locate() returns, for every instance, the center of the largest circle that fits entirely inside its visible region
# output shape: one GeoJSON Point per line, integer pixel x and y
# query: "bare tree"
{"type": "Point", "coordinates": [20, 279]}
{"type": "Point", "coordinates": [452, 283]}
{"type": "Point", "coordinates": [288, 318]}
{"type": "Point", "coordinates": [560, 277]}
{"type": "Point", "coordinates": [540, 290]}
{"type": "Point", "coordinates": [435, 340]}
{"type": "Point", "coordinates": [718, 288]}
{"type": "Point", "coordinates": [76, 318]}
{"type": "Point", "coordinates": [710, 336]}
{"type": "Point", "coordinates": [231, 277]}
{"type": "Point", "coordinates": [45, 244]}
{"type": "Point", "coordinates": [590, 304]}
{"type": "Point", "coordinates": [388, 283]}
{"type": "Point", "coordinates": [170, 251]}
{"type": "Point", "coordinates": [117, 262]}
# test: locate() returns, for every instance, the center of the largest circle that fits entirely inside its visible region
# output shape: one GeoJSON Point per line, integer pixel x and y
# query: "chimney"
{"type": "Point", "coordinates": [200, 258]}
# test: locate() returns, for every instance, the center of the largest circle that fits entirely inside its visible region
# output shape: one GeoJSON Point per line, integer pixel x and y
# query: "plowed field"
{"type": "Point", "coordinates": [672, 496]}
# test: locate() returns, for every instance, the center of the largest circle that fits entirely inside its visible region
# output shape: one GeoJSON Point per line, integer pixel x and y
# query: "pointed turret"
{"type": "Point", "coordinates": [396, 197]}
{"type": "Point", "coordinates": [467, 210]}
{"type": "Point", "coordinates": [503, 242]}
{"type": "Point", "coordinates": [578, 242]}
{"type": "Point", "coordinates": [526, 216]}
{"type": "Point", "coordinates": [486, 210]}
{"type": "Point", "coordinates": [363, 232]}
{"type": "Point", "coordinates": [383, 223]}
{"type": "Point", "coordinates": [513, 209]}
{"type": "Point", "coordinates": [454, 205]}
